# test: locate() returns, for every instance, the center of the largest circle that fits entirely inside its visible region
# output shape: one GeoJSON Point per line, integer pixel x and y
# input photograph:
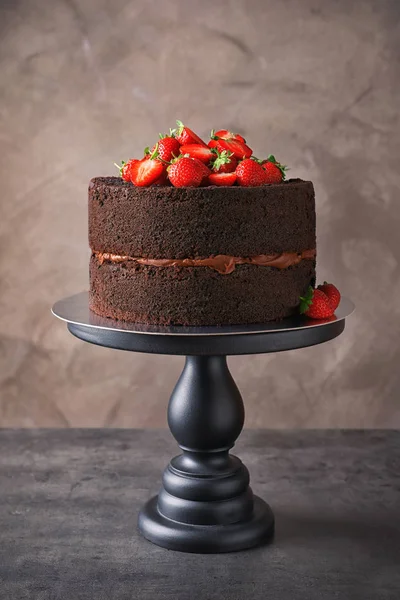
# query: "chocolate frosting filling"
{"type": "Point", "coordinates": [221, 263]}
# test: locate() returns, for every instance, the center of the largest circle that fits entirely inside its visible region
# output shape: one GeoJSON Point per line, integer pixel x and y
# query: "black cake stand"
{"type": "Point", "coordinates": [205, 503]}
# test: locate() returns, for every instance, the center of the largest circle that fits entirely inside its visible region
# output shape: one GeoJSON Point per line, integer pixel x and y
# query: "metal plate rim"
{"type": "Point", "coordinates": [68, 308]}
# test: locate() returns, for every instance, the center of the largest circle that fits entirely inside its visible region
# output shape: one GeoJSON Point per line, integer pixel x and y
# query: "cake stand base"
{"type": "Point", "coordinates": [205, 504]}
{"type": "Point", "coordinates": [257, 529]}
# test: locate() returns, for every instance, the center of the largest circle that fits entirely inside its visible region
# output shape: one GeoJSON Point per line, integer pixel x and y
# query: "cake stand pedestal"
{"type": "Point", "coordinates": [205, 504]}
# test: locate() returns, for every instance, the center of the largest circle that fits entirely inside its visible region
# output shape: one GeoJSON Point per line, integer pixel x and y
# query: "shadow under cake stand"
{"type": "Point", "coordinates": [205, 504]}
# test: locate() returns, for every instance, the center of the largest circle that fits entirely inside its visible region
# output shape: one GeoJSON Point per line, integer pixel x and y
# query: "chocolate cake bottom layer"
{"type": "Point", "coordinates": [197, 295]}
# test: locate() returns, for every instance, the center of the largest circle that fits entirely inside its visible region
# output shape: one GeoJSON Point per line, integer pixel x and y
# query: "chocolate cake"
{"type": "Point", "coordinates": [200, 255]}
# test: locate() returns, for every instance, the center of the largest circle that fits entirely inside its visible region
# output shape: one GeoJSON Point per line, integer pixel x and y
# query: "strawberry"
{"type": "Point", "coordinates": [202, 153]}
{"type": "Point", "coordinates": [226, 135]}
{"type": "Point", "coordinates": [238, 148]}
{"type": "Point", "coordinates": [206, 171]}
{"type": "Point", "coordinates": [275, 171]}
{"type": "Point", "coordinates": [168, 148]}
{"type": "Point", "coordinates": [250, 173]}
{"type": "Point", "coordinates": [146, 171]}
{"type": "Point", "coordinates": [226, 179]}
{"type": "Point", "coordinates": [225, 162]}
{"type": "Point", "coordinates": [186, 172]}
{"type": "Point", "coordinates": [185, 136]}
{"type": "Point", "coordinates": [223, 134]}
{"type": "Point", "coordinates": [315, 304]}
{"type": "Point", "coordinates": [125, 168]}
{"type": "Point", "coordinates": [332, 292]}
{"type": "Point", "coordinates": [163, 179]}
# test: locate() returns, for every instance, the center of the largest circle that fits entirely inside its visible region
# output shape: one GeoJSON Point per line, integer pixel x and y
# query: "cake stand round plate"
{"type": "Point", "coordinates": [288, 334]}
{"type": "Point", "coordinates": [205, 503]}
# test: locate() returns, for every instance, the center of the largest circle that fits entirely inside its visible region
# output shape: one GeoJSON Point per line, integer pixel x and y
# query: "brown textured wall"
{"type": "Point", "coordinates": [86, 83]}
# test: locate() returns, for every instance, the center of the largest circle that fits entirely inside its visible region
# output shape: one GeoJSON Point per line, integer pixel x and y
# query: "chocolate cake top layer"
{"type": "Point", "coordinates": [168, 222]}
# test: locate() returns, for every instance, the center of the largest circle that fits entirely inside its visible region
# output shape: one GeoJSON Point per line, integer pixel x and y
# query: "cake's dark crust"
{"type": "Point", "coordinates": [168, 222]}
{"type": "Point", "coordinates": [196, 295]}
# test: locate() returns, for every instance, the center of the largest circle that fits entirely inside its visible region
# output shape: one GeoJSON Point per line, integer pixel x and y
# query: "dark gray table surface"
{"type": "Point", "coordinates": [69, 501]}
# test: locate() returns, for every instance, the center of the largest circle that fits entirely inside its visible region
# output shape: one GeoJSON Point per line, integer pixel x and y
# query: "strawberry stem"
{"type": "Point", "coordinates": [151, 155]}
{"type": "Point", "coordinates": [180, 127]}
{"type": "Point", "coordinates": [306, 301]}
{"type": "Point", "coordinates": [120, 167]}
{"type": "Point", "coordinates": [176, 158]}
{"type": "Point", "coordinates": [223, 158]}
{"type": "Point", "coordinates": [283, 168]}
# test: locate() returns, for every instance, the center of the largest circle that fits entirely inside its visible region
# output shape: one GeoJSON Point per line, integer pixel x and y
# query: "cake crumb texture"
{"type": "Point", "coordinates": [197, 295]}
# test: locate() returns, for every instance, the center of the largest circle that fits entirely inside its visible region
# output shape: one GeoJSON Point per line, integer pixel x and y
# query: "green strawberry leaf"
{"type": "Point", "coordinates": [306, 301]}
{"type": "Point", "coordinates": [180, 127]}
{"type": "Point", "coordinates": [223, 158]}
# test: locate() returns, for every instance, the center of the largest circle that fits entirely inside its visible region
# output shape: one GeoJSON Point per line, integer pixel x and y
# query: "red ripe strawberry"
{"type": "Point", "coordinates": [168, 148]}
{"type": "Point", "coordinates": [212, 143]}
{"type": "Point", "coordinates": [225, 162]}
{"type": "Point", "coordinates": [238, 149]}
{"type": "Point", "coordinates": [186, 172]}
{"type": "Point", "coordinates": [315, 304]}
{"type": "Point", "coordinates": [223, 134]}
{"type": "Point", "coordinates": [163, 179]}
{"type": "Point", "coordinates": [275, 171]}
{"type": "Point", "coordinates": [228, 135]}
{"type": "Point", "coordinates": [250, 173]}
{"type": "Point", "coordinates": [146, 171]}
{"type": "Point", "coordinates": [185, 136]}
{"type": "Point", "coordinates": [226, 179]}
{"type": "Point", "coordinates": [332, 292]}
{"type": "Point", "coordinates": [206, 171]}
{"type": "Point", "coordinates": [125, 168]}
{"type": "Point", "coordinates": [202, 153]}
